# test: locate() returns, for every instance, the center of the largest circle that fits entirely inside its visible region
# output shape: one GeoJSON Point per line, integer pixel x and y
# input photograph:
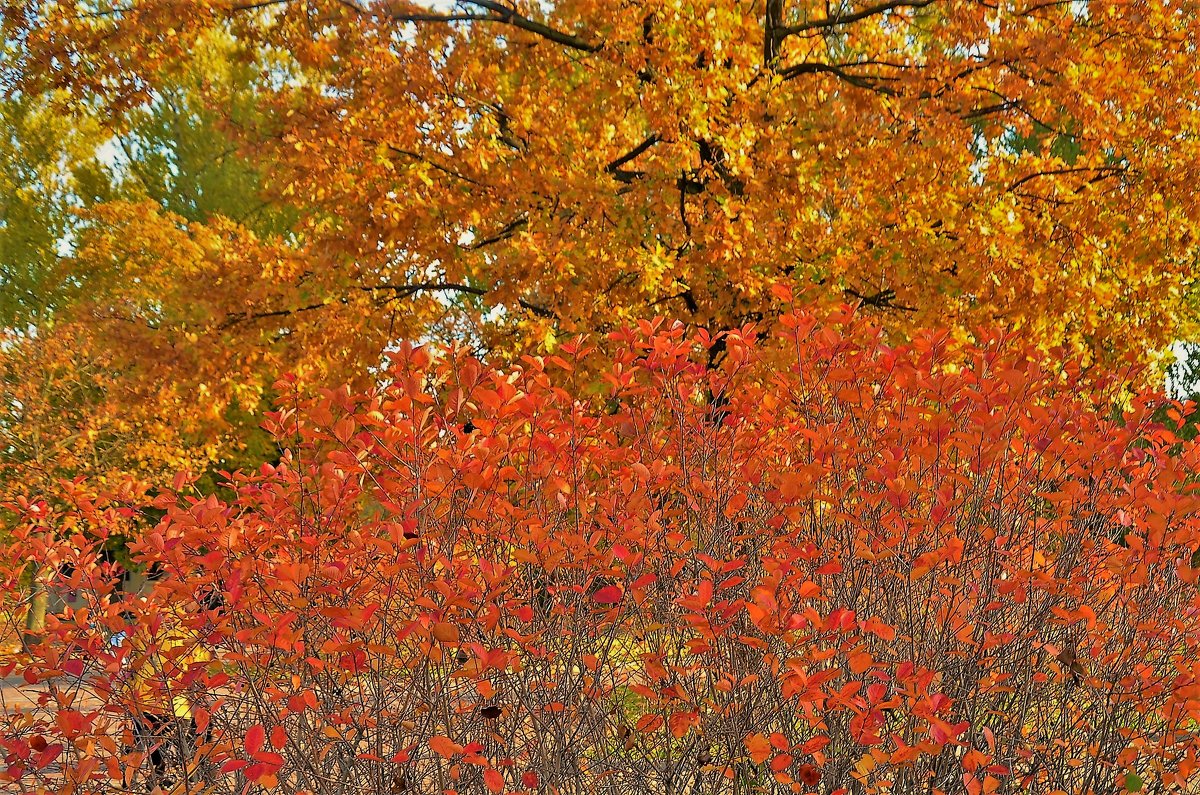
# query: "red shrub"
{"type": "Point", "coordinates": [931, 568]}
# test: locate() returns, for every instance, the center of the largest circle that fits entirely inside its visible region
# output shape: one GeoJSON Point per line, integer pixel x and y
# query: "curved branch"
{"type": "Point", "coordinates": [497, 12]}
{"type": "Point", "coordinates": [622, 175]}
{"type": "Point", "coordinates": [855, 16]}
{"type": "Point", "coordinates": [1101, 173]}
{"type": "Point", "coordinates": [839, 71]}
{"type": "Point", "coordinates": [508, 231]}
{"type": "Point", "coordinates": [408, 290]}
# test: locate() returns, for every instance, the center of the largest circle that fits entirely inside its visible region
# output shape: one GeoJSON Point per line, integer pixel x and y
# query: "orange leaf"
{"type": "Point", "coordinates": [759, 747]}
{"type": "Point", "coordinates": [444, 746]}
{"type": "Point", "coordinates": [445, 633]}
{"type": "Point", "coordinates": [735, 504]}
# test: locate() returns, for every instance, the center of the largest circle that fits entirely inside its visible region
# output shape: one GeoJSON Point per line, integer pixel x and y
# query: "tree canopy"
{"type": "Point", "coordinates": [510, 174]}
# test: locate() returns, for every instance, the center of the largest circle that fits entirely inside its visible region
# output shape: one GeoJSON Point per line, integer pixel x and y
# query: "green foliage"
{"type": "Point", "coordinates": [48, 171]}
{"type": "Point", "coordinates": [181, 151]}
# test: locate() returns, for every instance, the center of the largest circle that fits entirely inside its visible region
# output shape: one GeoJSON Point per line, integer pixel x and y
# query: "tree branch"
{"type": "Point", "coordinates": [405, 290]}
{"type": "Point", "coordinates": [408, 290]}
{"type": "Point", "coordinates": [839, 71]}
{"type": "Point", "coordinates": [615, 166]}
{"type": "Point", "coordinates": [508, 231]}
{"type": "Point", "coordinates": [421, 158]}
{"type": "Point", "coordinates": [846, 19]}
{"type": "Point", "coordinates": [235, 319]}
{"type": "Point", "coordinates": [540, 311]}
{"type": "Point", "coordinates": [1101, 172]}
{"type": "Point", "coordinates": [884, 299]}
{"type": "Point", "coordinates": [505, 16]}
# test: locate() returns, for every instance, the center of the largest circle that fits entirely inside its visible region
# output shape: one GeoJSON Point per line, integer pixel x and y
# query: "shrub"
{"type": "Point", "coordinates": [859, 568]}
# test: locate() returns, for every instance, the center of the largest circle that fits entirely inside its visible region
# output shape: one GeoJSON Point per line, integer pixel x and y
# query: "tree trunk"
{"type": "Point", "coordinates": [39, 601]}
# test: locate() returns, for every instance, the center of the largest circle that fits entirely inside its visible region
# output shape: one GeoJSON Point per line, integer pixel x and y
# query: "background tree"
{"type": "Point", "coordinates": [106, 238]}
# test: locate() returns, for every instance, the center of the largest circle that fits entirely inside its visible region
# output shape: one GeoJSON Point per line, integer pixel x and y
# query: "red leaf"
{"type": "Point", "coordinates": [810, 775]}
{"type": "Point", "coordinates": [49, 755]}
{"type": "Point", "coordinates": [255, 737]}
{"type": "Point", "coordinates": [608, 595]}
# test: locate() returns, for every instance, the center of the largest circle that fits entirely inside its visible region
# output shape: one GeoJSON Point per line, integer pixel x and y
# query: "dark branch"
{"type": "Point", "coordinates": [243, 317]}
{"type": "Point", "coordinates": [405, 290]}
{"type": "Point", "coordinates": [421, 158]}
{"type": "Point", "coordinates": [262, 4]}
{"type": "Point", "coordinates": [846, 19]}
{"type": "Point", "coordinates": [714, 156]}
{"type": "Point", "coordinates": [540, 311]}
{"type": "Point", "coordinates": [689, 300]}
{"type": "Point", "coordinates": [408, 290]}
{"type": "Point", "coordinates": [508, 231]}
{"type": "Point", "coordinates": [839, 71]}
{"type": "Point", "coordinates": [622, 175]}
{"type": "Point", "coordinates": [506, 16]}
{"type": "Point", "coordinates": [884, 299]}
{"type": "Point", "coordinates": [686, 185]}
{"type": "Point", "coordinates": [1101, 172]}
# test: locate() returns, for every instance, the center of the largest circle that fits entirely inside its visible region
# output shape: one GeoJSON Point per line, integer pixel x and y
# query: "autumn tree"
{"type": "Point", "coordinates": [555, 167]}
{"type": "Point", "coordinates": [101, 222]}
{"type": "Point", "coordinates": [306, 183]}
{"type": "Point", "coordinates": [86, 386]}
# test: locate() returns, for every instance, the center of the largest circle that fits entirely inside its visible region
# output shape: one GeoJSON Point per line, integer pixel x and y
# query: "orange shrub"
{"type": "Point", "coordinates": [933, 568]}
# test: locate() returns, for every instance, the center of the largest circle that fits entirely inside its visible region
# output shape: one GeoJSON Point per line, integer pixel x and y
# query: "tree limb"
{"type": "Point", "coordinates": [614, 167]}
{"type": "Point", "coordinates": [505, 16]}
{"type": "Point", "coordinates": [1101, 172]}
{"type": "Point", "coordinates": [839, 71]}
{"type": "Point", "coordinates": [508, 231]}
{"type": "Point", "coordinates": [846, 19]}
